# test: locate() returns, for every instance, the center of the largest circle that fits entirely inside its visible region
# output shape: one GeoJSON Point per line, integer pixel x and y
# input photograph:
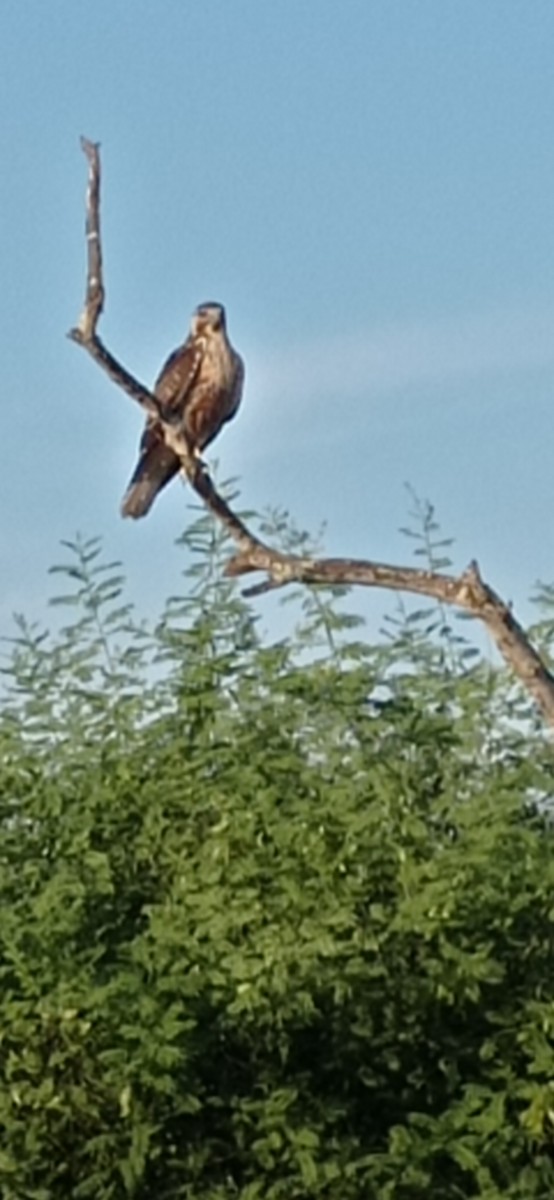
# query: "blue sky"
{"type": "Point", "coordinates": [368, 186]}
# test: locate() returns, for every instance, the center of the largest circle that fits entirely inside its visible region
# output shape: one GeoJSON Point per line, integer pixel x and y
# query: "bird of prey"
{"type": "Point", "coordinates": [199, 388]}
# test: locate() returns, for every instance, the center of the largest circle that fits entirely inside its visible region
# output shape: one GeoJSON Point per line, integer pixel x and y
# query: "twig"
{"type": "Point", "coordinates": [468, 591]}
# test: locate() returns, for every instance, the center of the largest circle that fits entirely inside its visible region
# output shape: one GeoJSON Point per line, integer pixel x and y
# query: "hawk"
{"type": "Point", "coordinates": [200, 388]}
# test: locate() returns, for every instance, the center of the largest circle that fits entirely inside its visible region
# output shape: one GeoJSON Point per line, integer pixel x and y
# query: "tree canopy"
{"type": "Point", "coordinates": [277, 918]}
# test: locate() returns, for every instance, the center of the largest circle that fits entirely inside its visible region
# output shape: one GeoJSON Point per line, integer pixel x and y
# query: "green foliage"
{"type": "Point", "coordinates": [277, 920]}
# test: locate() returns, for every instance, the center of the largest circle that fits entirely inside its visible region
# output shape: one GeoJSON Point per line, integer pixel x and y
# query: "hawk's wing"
{"type": "Point", "coordinates": [178, 374]}
{"type": "Point", "coordinates": [158, 464]}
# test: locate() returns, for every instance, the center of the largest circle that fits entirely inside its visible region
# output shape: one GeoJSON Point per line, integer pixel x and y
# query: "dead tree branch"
{"type": "Point", "coordinates": [467, 592]}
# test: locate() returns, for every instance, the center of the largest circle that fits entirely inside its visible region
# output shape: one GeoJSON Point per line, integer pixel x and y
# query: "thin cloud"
{"type": "Point", "coordinates": [409, 354]}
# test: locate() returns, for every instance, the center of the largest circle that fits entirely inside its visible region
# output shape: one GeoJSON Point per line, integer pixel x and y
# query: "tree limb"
{"type": "Point", "coordinates": [468, 591]}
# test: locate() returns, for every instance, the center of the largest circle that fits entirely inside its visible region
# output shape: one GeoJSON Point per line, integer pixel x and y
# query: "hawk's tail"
{"type": "Point", "coordinates": [155, 468]}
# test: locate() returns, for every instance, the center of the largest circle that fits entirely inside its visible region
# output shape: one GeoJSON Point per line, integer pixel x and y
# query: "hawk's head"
{"type": "Point", "coordinates": [208, 318]}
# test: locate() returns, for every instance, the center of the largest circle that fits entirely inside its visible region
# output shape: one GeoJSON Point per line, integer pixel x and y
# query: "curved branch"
{"type": "Point", "coordinates": [467, 591]}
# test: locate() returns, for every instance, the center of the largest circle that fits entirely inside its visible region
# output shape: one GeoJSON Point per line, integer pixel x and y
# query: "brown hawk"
{"type": "Point", "coordinates": [200, 388]}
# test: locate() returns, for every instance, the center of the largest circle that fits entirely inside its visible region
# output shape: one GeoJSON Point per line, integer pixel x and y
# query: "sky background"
{"type": "Point", "coordinates": [368, 186]}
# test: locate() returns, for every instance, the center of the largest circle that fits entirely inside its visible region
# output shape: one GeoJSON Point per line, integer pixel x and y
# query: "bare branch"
{"type": "Point", "coordinates": [94, 301]}
{"type": "Point", "coordinates": [84, 333]}
{"type": "Point", "coordinates": [467, 592]}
